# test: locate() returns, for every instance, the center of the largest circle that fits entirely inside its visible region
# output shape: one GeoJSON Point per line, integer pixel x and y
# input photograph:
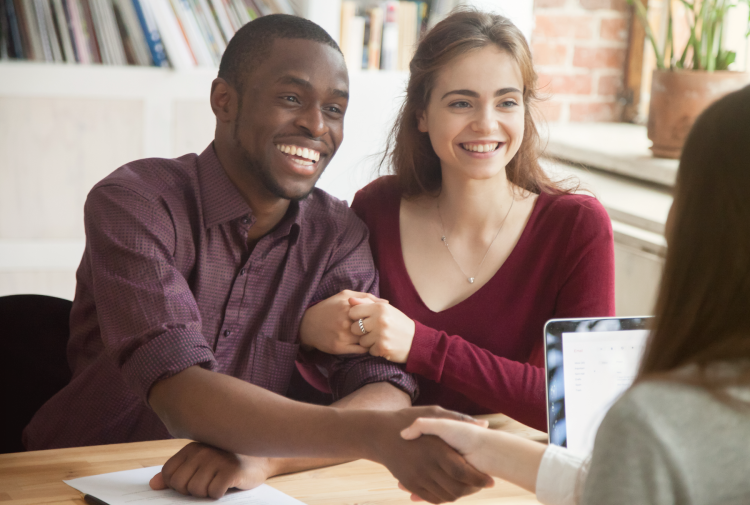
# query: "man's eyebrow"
{"type": "Point", "coordinates": [289, 79]}
{"type": "Point", "coordinates": [339, 93]}
{"type": "Point", "coordinates": [474, 94]}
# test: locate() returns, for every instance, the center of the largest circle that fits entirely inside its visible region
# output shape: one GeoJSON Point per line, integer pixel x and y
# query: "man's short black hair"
{"type": "Point", "coordinates": [252, 44]}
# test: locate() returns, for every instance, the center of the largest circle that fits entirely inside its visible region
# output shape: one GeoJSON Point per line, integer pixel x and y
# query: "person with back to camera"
{"type": "Point", "coordinates": [681, 433]}
{"type": "Point", "coordinates": [476, 247]}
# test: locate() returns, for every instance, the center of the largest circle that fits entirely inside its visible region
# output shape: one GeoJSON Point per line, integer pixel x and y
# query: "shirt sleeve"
{"type": "Point", "coordinates": [150, 323]}
{"type": "Point", "coordinates": [561, 477]}
{"type": "Point", "coordinates": [630, 463]}
{"type": "Point", "coordinates": [585, 288]}
{"type": "Point", "coordinates": [352, 267]}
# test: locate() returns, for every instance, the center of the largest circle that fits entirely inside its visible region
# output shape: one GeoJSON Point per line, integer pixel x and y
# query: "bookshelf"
{"type": "Point", "coordinates": [63, 127]}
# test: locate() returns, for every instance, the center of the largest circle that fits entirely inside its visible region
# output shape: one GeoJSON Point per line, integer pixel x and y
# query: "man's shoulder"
{"type": "Point", "coordinates": [330, 215]}
{"type": "Point", "coordinates": [154, 178]}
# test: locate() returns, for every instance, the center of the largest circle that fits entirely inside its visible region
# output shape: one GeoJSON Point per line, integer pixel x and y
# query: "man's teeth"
{"type": "Point", "coordinates": [481, 148]}
{"type": "Point", "coordinates": [302, 152]}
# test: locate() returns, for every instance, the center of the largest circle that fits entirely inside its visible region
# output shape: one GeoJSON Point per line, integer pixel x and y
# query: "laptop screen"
{"type": "Point", "coordinates": [589, 364]}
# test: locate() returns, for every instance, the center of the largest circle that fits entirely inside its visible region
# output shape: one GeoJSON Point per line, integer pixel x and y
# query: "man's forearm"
{"type": "Point", "coordinates": [236, 416]}
{"type": "Point", "coordinates": [378, 396]}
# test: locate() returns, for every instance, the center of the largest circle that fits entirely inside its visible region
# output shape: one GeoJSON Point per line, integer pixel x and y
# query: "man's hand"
{"type": "Point", "coordinates": [201, 470]}
{"type": "Point", "coordinates": [390, 332]}
{"type": "Point", "coordinates": [427, 466]}
{"type": "Point", "coordinates": [326, 325]}
{"type": "Point", "coordinates": [504, 455]}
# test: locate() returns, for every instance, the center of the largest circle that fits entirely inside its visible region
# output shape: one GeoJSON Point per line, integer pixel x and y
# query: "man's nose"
{"type": "Point", "coordinates": [312, 121]}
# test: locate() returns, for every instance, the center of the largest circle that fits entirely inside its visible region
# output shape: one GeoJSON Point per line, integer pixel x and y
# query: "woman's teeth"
{"type": "Point", "coordinates": [310, 155]}
{"type": "Point", "coordinates": [481, 148]}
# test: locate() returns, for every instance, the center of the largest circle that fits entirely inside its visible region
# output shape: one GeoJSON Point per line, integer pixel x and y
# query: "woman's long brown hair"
{"type": "Point", "coordinates": [703, 306]}
{"type": "Point", "coordinates": [412, 158]}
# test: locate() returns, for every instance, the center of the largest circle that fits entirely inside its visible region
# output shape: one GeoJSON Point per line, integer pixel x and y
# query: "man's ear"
{"type": "Point", "coordinates": [422, 121]}
{"type": "Point", "coordinates": [224, 100]}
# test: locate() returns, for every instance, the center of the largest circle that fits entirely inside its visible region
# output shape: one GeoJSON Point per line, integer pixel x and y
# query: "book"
{"type": "Point", "coordinates": [15, 48]}
{"type": "Point", "coordinates": [375, 43]}
{"type": "Point", "coordinates": [407, 33]}
{"type": "Point", "coordinates": [132, 34]}
{"type": "Point", "coordinates": [31, 27]}
{"type": "Point", "coordinates": [198, 45]}
{"type": "Point", "coordinates": [152, 35]}
{"type": "Point", "coordinates": [89, 31]}
{"type": "Point", "coordinates": [389, 48]}
{"type": "Point", "coordinates": [63, 33]}
{"type": "Point", "coordinates": [48, 30]}
{"type": "Point", "coordinates": [175, 43]}
{"type": "Point", "coordinates": [222, 16]}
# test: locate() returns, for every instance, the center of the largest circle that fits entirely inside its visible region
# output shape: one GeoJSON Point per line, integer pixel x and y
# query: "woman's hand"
{"type": "Point", "coordinates": [503, 455]}
{"type": "Point", "coordinates": [389, 332]}
{"type": "Point", "coordinates": [325, 326]}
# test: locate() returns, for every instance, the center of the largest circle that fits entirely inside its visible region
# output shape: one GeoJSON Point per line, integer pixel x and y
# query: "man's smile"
{"type": "Point", "coordinates": [303, 155]}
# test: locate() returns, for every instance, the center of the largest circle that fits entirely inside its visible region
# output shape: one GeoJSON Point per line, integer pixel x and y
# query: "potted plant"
{"type": "Point", "coordinates": [686, 82]}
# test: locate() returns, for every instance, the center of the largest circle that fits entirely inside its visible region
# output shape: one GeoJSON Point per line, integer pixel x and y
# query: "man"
{"type": "Point", "coordinates": [197, 272]}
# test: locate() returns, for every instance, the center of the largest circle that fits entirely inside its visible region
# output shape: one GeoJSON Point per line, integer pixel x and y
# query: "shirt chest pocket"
{"type": "Point", "coordinates": [272, 363]}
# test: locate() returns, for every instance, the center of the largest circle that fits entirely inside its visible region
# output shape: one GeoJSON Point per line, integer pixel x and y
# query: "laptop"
{"type": "Point", "coordinates": [589, 363]}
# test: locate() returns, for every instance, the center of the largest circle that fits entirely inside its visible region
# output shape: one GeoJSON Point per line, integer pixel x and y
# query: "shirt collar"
{"type": "Point", "coordinates": [222, 201]}
{"type": "Point", "coordinates": [220, 198]}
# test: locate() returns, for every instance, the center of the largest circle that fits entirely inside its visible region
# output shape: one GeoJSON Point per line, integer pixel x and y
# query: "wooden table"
{"type": "Point", "coordinates": [34, 478]}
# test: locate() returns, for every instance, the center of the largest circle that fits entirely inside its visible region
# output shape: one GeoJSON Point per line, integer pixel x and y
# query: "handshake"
{"type": "Point", "coordinates": [439, 468]}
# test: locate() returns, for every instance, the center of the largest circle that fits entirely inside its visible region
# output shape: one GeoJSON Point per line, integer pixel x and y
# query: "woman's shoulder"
{"type": "Point", "coordinates": [383, 191]}
{"type": "Point", "coordinates": [586, 206]}
{"type": "Point", "coordinates": [576, 215]}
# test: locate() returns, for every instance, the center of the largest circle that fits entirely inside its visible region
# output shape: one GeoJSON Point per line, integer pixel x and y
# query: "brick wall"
{"type": "Point", "coordinates": [579, 49]}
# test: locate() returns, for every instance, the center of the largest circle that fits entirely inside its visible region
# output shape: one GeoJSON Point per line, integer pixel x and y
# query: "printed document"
{"type": "Point", "coordinates": [131, 487]}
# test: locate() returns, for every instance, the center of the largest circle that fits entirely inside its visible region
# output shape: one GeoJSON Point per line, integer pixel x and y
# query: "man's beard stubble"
{"type": "Point", "coordinates": [263, 174]}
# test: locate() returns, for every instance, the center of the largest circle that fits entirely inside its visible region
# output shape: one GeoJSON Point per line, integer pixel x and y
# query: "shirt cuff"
{"type": "Point", "coordinates": [561, 474]}
{"type": "Point", "coordinates": [349, 372]}
{"type": "Point", "coordinates": [164, 356]}
{"type": "Point", "coordinates": [420, 359]}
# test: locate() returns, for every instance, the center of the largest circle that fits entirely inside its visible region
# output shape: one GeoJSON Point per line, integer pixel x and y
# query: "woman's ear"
{"type": "Point", "coordinates": [422, 121]}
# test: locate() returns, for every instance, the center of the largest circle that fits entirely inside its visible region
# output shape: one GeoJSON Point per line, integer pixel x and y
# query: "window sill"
{"type": "Point", "coordinates": [620, 148]}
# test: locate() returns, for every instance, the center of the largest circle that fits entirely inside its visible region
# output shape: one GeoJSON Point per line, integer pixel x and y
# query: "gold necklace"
{"type": "Point", "coordinates": [445, 241]}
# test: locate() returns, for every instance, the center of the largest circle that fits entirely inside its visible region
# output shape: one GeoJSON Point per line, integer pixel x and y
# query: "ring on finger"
{"type": "Point", "coordinates": [362, 327]}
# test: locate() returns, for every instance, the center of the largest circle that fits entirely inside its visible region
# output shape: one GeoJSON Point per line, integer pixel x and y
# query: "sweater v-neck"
{"type": "Point", "coordinates": [398, 252]}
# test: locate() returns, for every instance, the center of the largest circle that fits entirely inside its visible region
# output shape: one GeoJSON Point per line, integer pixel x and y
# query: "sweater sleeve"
{"type": "Point", "coordinates": [585, 280]}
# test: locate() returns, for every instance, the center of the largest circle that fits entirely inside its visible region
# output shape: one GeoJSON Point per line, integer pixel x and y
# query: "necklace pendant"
{"type": "Point", "coordinates": [471, 280]}
{"type": "Point", "coordinates": [442, 238]}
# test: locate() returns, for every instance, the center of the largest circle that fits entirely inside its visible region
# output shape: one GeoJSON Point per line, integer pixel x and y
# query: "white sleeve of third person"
{"type": "Point", "coordinates": [561, 477]}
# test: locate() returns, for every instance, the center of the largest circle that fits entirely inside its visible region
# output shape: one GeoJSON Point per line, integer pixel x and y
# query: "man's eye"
{"type": "Point", "coordinates": [334, 109]}
{"type": "Point", "coordinates": [291, 98]}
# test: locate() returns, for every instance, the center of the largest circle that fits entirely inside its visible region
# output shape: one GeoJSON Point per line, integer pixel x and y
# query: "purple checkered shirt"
{"type": "Point", "coordinates": [167, 281]}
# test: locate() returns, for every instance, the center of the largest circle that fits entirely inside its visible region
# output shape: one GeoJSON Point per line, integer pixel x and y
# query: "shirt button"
{"type": "Point", "coordinates": [226, 333]}
{"type": "Point", "coordinates": [242, 272]}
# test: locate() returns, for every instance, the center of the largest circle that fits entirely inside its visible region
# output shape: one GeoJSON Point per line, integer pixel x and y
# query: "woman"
{"type": "Point", "coordinates": [476, 247]}
{"type": "Point", "coordinates": [681, 434]}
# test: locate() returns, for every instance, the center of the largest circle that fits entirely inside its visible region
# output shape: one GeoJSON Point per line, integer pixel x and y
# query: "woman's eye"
{"type": "Point", "coordinates": [508, 103]}
{"type": "Point", "coordinates": [460, 105]}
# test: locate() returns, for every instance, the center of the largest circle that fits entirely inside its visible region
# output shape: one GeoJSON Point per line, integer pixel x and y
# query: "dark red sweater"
{"type": "Point", "coordinates": [485, 355]}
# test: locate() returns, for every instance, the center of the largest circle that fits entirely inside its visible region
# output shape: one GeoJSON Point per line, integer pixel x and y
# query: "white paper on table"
{"type": "Point", "coordinates": [131, 486]}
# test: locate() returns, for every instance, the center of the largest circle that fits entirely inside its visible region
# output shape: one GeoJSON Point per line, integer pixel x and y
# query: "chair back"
{"type": "Point", "coordinates": [34, 334]}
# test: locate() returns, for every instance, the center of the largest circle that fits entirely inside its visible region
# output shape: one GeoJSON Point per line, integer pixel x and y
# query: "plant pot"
{"type": "Point", "coordinates": [677, 99]}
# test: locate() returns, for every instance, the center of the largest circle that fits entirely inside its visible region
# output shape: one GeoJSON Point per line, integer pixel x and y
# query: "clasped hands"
{"type": "Point", "coordinates": [332, 326]}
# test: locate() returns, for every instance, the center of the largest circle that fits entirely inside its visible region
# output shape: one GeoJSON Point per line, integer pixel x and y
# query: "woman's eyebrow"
{"type": "Point", "coordinates": [474, 94]}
